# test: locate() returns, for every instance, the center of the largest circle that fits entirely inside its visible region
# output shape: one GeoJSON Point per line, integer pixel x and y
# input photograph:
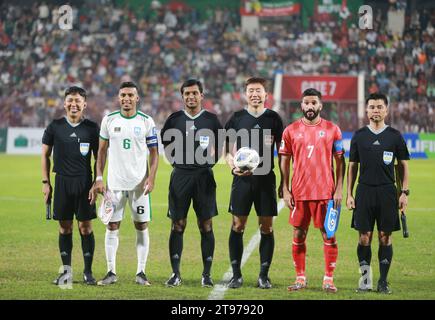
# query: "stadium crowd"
{"type": "Point", "coordinates": [160, 47]}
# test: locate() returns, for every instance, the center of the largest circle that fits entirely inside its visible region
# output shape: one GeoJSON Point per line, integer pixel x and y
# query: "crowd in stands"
{"type": "Point", "coordinates": [159, 48]}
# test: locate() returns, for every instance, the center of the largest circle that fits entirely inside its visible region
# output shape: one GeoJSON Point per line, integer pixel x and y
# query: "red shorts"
{"type": "Point", "coordinates": [301, 214]}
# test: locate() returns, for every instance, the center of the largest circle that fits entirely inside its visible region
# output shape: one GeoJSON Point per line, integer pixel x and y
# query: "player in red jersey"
{"type": "Point", "coordinates": [311, 143]}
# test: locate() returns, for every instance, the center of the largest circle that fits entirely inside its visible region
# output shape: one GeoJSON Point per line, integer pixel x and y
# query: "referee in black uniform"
{"type": "Point", "coordinates": [190, 138]}
{"type": "Point", "coordinates": [73, 140]}
{"type": "Point", "coordinates": [376, 147]}
{"type": "Point", "coordinates": [249, 187]}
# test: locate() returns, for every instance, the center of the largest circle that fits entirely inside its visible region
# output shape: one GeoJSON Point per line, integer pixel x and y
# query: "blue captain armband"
{"type": "Point", "coordinates": [338, 145]}
{"type": "Point", "coordinates": [151, 141]}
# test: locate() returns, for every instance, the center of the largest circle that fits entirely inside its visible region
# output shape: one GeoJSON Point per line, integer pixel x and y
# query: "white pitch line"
{"type": "Point", "coordinates": [219, 289]}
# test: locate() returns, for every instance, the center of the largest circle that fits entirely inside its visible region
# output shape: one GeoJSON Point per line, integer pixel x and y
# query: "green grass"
{"type": "Point", "coordinates": [29, 258]}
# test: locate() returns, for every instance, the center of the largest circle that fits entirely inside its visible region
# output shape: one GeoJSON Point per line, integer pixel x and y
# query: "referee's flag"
{"type": "Point", "coordinates": [331, 220]}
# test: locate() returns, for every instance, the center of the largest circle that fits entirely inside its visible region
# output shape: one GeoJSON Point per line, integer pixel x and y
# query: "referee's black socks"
{"type": "Point", "coordinates": [267, 245]}
{"type": "Point", "coordinates": [364, 255]}
{"type": "Point", "coordinates": [385, 255]}
{"type": "Point", "coordinates": [236, 252]}
{"type": "Point", "coordinates": [65, 248]}
{"type": "Point", "coordinates": [207, 249]}
{"type": "Point", "coordinates": [175, 250]}
{"type": "Point", "coordinates": [88, 248]}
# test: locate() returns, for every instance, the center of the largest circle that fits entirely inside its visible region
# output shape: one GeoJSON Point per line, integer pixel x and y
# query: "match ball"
{"type": "Point", "coordinates": [246, 159]}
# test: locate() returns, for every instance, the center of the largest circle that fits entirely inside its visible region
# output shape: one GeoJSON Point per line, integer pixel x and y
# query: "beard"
{"type": "Point", "coordinates": [376, 118]}
{"type": "Point", "coordinates": [311, 117]}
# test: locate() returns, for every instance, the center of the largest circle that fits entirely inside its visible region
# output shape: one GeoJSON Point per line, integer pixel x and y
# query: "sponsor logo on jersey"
{"type": "Point", "coordinates": [268, 139]}
{"type": "Point", "coordinates": [136, 131]}
{"type": "Point", "coordinates": [377, 143]}
{"type": "Point", "coordinates": [117, 129]}
{"type": "Point", "coordinates": [257, 126]}
{"type": "Point", "coordinates": [73, 135]}
{"type": "Point", "coordinates": [282, 144]}
{"type": "Point", "coordinates": [204, 141]}
{"type": "Point", "coordinates": [388, 157]}
{"type": "Point", "coordinates": [300, 135]}
{"type": "Point", "coordinates": [84, 148]}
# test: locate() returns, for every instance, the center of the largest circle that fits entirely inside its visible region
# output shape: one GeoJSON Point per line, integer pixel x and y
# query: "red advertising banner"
{"type": "Point", "coordinates": [332, 88]}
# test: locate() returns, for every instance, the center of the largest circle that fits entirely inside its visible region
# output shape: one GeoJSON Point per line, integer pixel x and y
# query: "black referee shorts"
{"type": "Point", "coordinates": [376, 204]}
{"type": "Point", "coordinates": [187, 185]}
{"type": "Point", "coordinates": [260, 190]}
{"type": "Point", "coordinates": [71, 197]}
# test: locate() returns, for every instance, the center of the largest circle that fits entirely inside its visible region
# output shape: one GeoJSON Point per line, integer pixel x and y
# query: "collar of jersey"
{"type": "Point", "coordinates": [311, 125]}
{"type": "Point", "coordinates": [195, 116]}
{"type": "Point", "coordinates": [377, 131]}
{"type": "Point", "coordinates": [73, 124]}
{"type": "Point", "coordinates": [255, 115]}
{"type": "Point", "coordinates": [133, 116]}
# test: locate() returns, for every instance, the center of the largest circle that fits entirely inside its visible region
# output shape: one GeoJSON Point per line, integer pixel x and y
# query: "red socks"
{"type": "Point", "coordinates": [330, 250]}
{"type": "Point", "coordinates": [299, 250]}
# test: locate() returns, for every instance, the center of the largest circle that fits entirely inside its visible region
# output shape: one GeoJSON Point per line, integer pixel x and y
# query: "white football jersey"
{"type": "Point", "coordinates": [129, 140]}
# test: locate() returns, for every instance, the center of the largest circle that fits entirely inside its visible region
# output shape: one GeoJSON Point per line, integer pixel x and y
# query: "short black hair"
{"type": "Point", "coordinates": [312, 92]}
{"type": "Point", "coordinates": [128, 84]}
{"type": "Point", "coordinates": [191, 82]}
{"type": "Point", "coordinates": [259, 80]}
{"type": "Point", "coordinates": [377, 96]}
{"type": "Point", "coordinates": [74, 90]}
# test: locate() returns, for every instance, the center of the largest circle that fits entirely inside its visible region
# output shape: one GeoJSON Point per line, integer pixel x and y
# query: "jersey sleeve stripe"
{"type": "Point", "coordinates": [114, 113]}
{"type": "Point", "coordinates": [143, 114]}
{"type": "Point", "coordinates": [150, 145]}
{"type": "Point", "coordinates": [107, 139]}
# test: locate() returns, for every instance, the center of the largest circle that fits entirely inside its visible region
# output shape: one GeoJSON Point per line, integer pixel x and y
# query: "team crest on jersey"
{"type": "Point", "coordinates": [388, 157]}
{"type": "Point", "coordinates": [117, 129]}
{"type": "Point", "coordinates": [322, 134]}
{"type": "Point", "coordinates": [84, 148]}
{"type": "Point", "coordinates": [204, 141]}
{"type": "Point", "coordinates": [268, 139]}
{"type": "Point", "coordinates": [136, 131]}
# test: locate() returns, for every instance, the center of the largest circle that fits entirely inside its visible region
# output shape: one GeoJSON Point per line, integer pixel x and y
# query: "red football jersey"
{"type": "Point", "coordinates": [312, 148]}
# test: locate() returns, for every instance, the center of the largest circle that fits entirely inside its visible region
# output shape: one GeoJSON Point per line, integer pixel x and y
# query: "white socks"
{"type": "Point", "coordinates": [111, 244]}
{"type": "Point", "coordinates": [142, 248]}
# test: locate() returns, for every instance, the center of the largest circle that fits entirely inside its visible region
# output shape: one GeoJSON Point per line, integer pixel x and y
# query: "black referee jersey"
{"type": "Point", "coordinates": [72, 146]}
{"type": "Point", "coordinates": [376, 152]}
{"type": "Point", "coordinates": [269, 120]}
{"type": "Point", "coordinates": [196, 143]}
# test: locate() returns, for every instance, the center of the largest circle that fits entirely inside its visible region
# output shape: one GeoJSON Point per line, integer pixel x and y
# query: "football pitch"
{"type": "Point", "coordinates": [29, 257]}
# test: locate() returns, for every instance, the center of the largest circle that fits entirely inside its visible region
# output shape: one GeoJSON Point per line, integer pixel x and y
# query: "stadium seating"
{"type": "Point", "coordinates": [158, 48]}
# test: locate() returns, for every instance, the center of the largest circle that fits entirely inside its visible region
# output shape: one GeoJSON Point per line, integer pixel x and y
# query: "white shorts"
{"type": "Point", "coordinates": [140, 205]}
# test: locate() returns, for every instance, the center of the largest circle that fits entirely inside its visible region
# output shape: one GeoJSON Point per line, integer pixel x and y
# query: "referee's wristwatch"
{"type": "Point", "coordinates": [45, 182]}
{"type": "Point", "coordinates": [405, 191]}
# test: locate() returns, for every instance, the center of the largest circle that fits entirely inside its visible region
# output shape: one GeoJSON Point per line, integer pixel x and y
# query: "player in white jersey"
{"type": "Point", "coordinates": [129, 136]}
